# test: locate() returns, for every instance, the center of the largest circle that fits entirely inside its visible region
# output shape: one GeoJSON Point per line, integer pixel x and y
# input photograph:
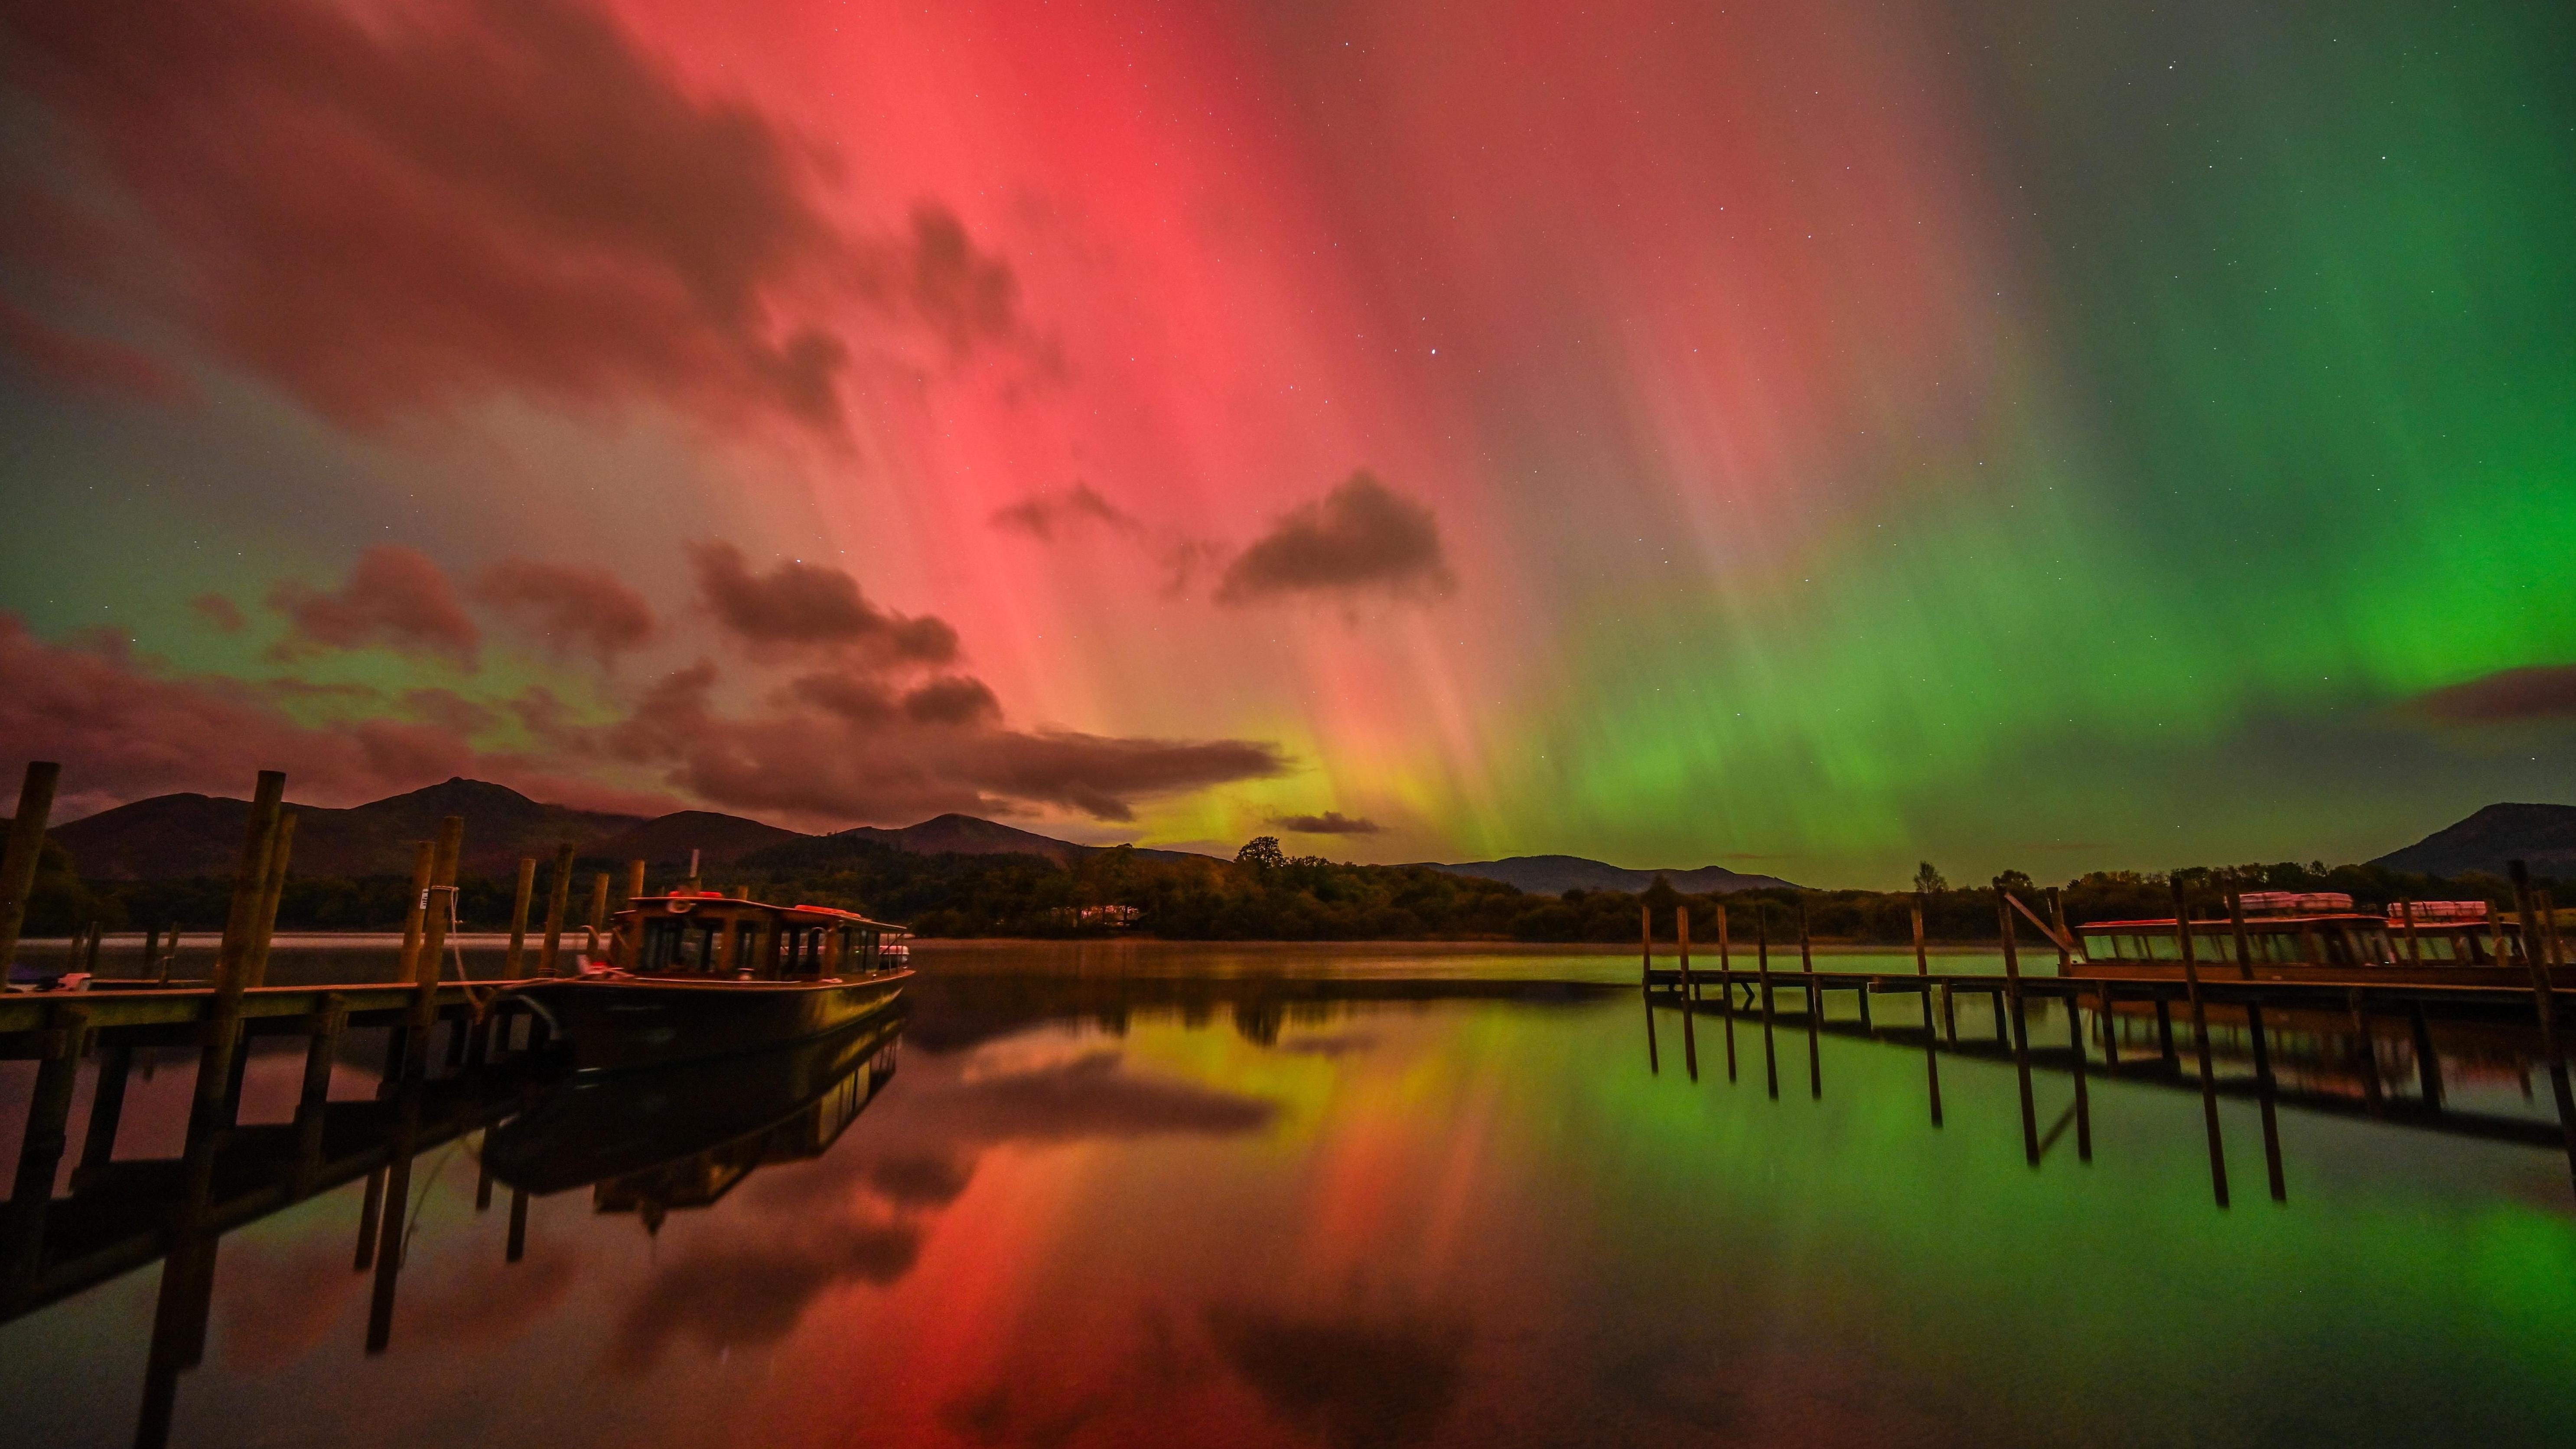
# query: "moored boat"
{"type": "Point", "coordinates": [698, 974]}
{"type": "Point", "coordinates": [2319, 937]}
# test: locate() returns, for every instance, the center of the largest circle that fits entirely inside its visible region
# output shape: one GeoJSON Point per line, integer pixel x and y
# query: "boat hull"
{"type": "Point", "coordinates": [625, 1023]}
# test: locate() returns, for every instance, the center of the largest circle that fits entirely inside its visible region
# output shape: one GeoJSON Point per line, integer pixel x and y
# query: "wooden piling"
{"type": "Point", "coordinates": [390, 1246]}
{"type": "Point", "coordinates": [272, 890]}
{"type": "Point", "coordinates": [2200, 1040]}
{"type": "Point", "coordinates": [1690, 1036]}
{"type": "Point", "coordinates": [1646, 946]}
{"type": "Point", "coordinates": [2165, 1033]}
{"type": "Point", "coordinates": [26, 846]}
{"type": "Point", "coordinates": [2414, 946]}
{"type": "Point", "coordinates": [1931, 1051]}
{"type": "Point", "coordinates": [558, 901]}
{"type": "Point", "coordinates": [424, 866]}
{"type": "Point", "coordinates": [598, 926]}
{"type": "Point", "coordinates": [223, 1026]}
{"type": "Point", "coordinates": [2110, 1030]}
{"type": "Point", "coordinates": [1762, 965]}
{"type": "Point", "coordinates": [438, 908]}
{"type": "Point", "coordinates": [2021, 1034]}
{"type": "Point", "coordinates": [2244, 946]}
{"type": "Point", "coordinates": [1726, 989]}
{"type": "Point", "coordinates": [313, 1100]}
{"type": "Point", "coordinates": [1815, 1008]}
{"type": "Point", "coordinates": [2545, 1006]}
{"type": "Point", "coordinates": [512, 965]}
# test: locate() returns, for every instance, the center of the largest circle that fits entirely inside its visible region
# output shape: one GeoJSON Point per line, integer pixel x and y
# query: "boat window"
{"type": "Point", "coordinates": [2102, 948]}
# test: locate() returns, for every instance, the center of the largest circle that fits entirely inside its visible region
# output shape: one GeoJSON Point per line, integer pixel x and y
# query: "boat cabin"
{"type": "Point", "coordinates": [709, 934]}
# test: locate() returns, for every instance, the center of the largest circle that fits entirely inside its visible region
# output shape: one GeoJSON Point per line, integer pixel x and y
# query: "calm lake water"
{"type": "Point", "coordinates": [1367, 1197]}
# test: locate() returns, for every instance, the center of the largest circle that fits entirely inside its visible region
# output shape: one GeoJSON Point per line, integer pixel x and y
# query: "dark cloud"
{"type": "Point", "coordinates": [837, 748]}
{"type": "Point", "coordinates": [569, 608]}
{"type": "Point", "coordinates": [413, 208]}
{"type": "Point", "coordinates": [395, 597]}
{"type": "Point", "coordinates": [1331, 822]}
{"type": "Point", "coordinates": [1041, 514]}
{"type": "Point", "coordinates": [2537, 691]}
{"type": "Point", "coordinates": [219, 612]}
{"type": "Point", "coordinates": [1361, 537]}
{"type": "Point", "coordinates": [953, 701]}
{"type": "Point", "coordinates": [799, 606]}
{"type": "Point", "coordinates": [1347, 1382]}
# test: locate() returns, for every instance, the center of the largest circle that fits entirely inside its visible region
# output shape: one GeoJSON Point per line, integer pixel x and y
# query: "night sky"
{"type": "Point", "coordinates": [1802, 437]}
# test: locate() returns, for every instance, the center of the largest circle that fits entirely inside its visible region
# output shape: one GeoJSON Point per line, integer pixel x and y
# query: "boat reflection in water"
{"type": "Point", "coordinates": [684, 1136]}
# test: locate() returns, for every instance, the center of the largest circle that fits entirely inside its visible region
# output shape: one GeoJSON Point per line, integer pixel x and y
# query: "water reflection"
{"type": "Point", "coordinates": [1089, 1211]}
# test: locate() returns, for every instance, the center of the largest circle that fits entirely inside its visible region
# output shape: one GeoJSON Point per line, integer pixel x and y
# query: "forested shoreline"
{"type": "Point", "coordinates": [1262, 895]}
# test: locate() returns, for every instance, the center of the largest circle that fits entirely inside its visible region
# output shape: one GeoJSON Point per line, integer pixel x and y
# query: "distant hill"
{"type": "Point", "coordinates": [170, 837]}
{"type": "Point", "coordinates": [667, 840]}
{"type": "Point", "coordinates": [2543, 835]}
{"type": "Point", "coordinates": [1555, 874]}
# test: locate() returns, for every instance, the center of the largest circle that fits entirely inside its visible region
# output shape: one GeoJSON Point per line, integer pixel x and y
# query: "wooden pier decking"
{"type": "Point", "coordinates": [2543, 1005]}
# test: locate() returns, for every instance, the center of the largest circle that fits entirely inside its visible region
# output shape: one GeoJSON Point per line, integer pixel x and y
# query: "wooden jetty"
{"type": "Point", "coordinates": [2259, 1004]}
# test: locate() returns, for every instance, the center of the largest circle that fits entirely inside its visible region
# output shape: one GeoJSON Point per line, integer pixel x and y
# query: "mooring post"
{"type": "Point", "coordinates": [558, 900]}
{"type": "Point", "coordinates": [26, 846]}
{"type": "Point", "coordinates": [598, 926]}
{"type": "Point", "coordinates": [2545, 1005]}
{"type": "Point", "coordinates": [1690, 1036]}
{"type": "Point", "coordinates": [2244, 946]}
{"type": "Point", "coordinates": [1726, 989]}
{"type": "Point", "coordinates": [1931, 1051]}
{"type": "Point", "coordinates": [207, 1113]}
{"type": "Point", "coordinates": [313, 1102]}
{"type": "Point", "coordinates": [2021, 1035]}
{"type": "Point", "coordinates": [1762, 965]}
{"type": "Point", "coordinates": [106, 1106]}
{"type": "Point", "coordinates": [2414, 947]}
{"type": "Point", "coordinates": [272, 889]}
{"type": "Point", "coordinates": [2165, 1032]}
{"type": "Point", "coordinates": [438, 907]}
{"type": "Point", "coordinates": [1815, 1007]}
{"type": "Point", "coordinates": [511, 965]}
{"type": "Point", "coordinates": [2200, 1039]}
{"type": "Point", "coordinates": [1646, 980]}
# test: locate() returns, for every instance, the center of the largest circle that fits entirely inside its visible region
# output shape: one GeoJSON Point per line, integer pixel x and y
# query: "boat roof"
{"type": "Point", "coordinates": [681, 903]}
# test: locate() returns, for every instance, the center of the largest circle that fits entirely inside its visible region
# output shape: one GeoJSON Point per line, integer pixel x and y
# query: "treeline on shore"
{"type": "Point", "coordinates": [1262, 895]}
